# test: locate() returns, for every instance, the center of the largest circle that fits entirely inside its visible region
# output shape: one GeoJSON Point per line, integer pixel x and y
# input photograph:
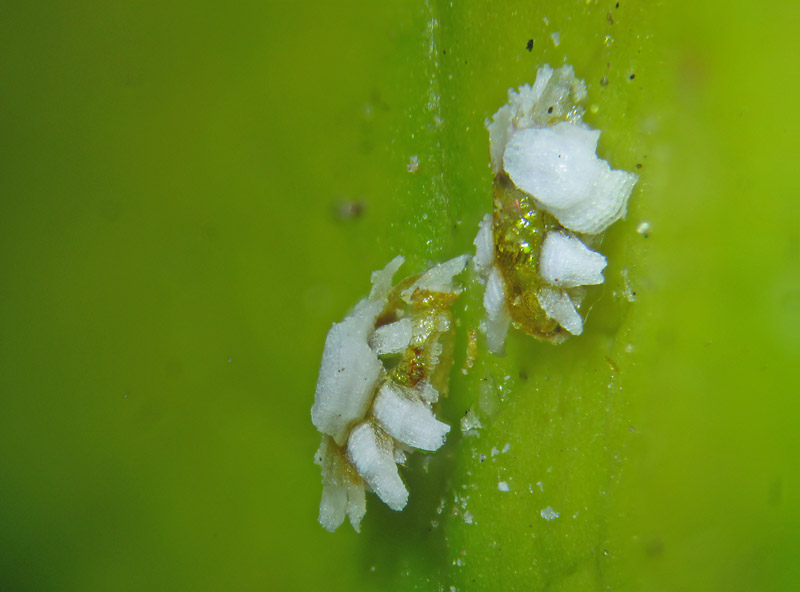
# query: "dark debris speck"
{"type": "Point", "coordinates": [529, 45]}
{"type": "Point", "coordinates": [349, 210]}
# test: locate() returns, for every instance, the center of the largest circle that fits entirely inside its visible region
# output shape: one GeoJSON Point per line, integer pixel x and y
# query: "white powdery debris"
{"type": "Point", "coordinates": [484, 246]}
{"type": "Point", "coordinates": [440, 277]}
{"type": "Point", "coordinates": [341, 495]}
{"type": "Point", "coordinates": [338, 501]}
{"type": "Point", "coordinates": [627, 289]}
{"type": "Point", "coordinates": [332, 507]}
{"type": "Point", "coordinates": [497, 316]}
{"type": "Point", "coordinates": [374, 461]}
{"type": "Point", "coordinates": [347, 374]}
{"type": "Point", "coordinates": [356, 504]}
{"type": "Point", "coordinates": [400, 456]}
{"type": "Point", "coordinates": [558, 166]}
{"type": "Point", "coordinates": [552, 96]}
{"type": "Point", "coordinates": [549, 513]}
{"type": "Point", "coordinates": [382, 279]}
{"type": "Point", "coordinates": [408, 421]}
{"type": "Point", "coordinates": [566, 262]}
{"type": "Point", "coordinates": [392, 338]}
{"type": "Point", "coordinates": [427, 393]}
{"type": "Point", "coordinates": [471, 423]}
{"type": "Point", "coordinates": [500, 129]}
{"type": "Point", "coordinates": [557, 304]}
{"type": "Point", "coordinates": [503, 486]}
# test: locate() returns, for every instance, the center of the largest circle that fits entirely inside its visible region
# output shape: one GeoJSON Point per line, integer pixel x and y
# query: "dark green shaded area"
{"type": "Point", "coordinates": [190, 194]}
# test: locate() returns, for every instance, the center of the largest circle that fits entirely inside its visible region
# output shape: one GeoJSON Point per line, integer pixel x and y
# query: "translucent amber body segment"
{"type": "Point", "coordinates": [429, 357]}
{"type": "Point", "coordinates": [519, 231]}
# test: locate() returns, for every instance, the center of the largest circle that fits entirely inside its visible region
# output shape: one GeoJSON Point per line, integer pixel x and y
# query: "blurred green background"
{"type": "Point", "coordinates": [191, 193]}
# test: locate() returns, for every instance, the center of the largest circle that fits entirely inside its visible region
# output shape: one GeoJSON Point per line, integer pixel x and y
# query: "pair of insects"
{"type": "Point", "coordinates": [386, 364]}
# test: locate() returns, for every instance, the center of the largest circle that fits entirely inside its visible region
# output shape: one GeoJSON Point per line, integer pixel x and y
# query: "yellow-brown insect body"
{"type": "Point", "coordinates": [519, 228]}
{"type": "Point", "coordinates": [429, 356]}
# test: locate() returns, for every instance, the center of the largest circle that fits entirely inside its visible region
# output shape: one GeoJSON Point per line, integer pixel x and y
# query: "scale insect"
{"type": "Point", "coordinates": [383, 370]}
{"type": "Point", "coordinates": [552, 193]}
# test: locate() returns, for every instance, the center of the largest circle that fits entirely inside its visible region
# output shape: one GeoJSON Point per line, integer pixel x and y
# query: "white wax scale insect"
{"type": "Point", "coordinates": [383, 369]}
{"type": "Point", "coordinates": [551, 192]}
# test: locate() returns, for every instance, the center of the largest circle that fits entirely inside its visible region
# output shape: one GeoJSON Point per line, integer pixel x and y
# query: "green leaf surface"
{"type": "Point", "coordinates": [192, 193]}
